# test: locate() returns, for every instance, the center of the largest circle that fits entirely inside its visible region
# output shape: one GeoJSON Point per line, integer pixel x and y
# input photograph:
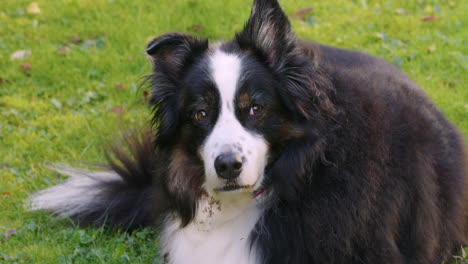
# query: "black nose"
{"type": "Point", "coordinates": [228, 165]}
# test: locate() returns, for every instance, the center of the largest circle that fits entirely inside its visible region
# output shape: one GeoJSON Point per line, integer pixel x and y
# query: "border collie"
{"type": "Point", "coordinates": [269, 149]}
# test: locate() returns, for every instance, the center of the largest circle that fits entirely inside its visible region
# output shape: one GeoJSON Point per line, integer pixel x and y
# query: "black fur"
{"type": "Point", "coordinates": [138, 198]}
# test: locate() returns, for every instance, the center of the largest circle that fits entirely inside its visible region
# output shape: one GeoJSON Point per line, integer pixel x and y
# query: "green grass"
{"type": "Point", "coordinates": [64, 106]}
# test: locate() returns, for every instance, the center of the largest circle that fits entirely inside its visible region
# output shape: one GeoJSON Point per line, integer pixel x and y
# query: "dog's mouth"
{"type": "Point", "coordinates": [232, 187]}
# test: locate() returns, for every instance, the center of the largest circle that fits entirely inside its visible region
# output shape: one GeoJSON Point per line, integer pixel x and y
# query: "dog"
{"type": "Point", "coordinates": [270, 149]}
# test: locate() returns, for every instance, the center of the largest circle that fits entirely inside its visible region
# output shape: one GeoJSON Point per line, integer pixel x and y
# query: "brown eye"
{"type": "Point", "coordinates": [255, 110]}
{"type": "Point", "coordinates": [201, 115]}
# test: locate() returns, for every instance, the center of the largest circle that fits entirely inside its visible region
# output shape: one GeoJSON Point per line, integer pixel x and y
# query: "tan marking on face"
{"type": "Point", "coordinates": [244, 100]}
{"type": "Point", "coordinates": [184, 172]}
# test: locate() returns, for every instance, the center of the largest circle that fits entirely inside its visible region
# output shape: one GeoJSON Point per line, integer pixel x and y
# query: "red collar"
{"type": "Point", "coordinates": [260, 191]}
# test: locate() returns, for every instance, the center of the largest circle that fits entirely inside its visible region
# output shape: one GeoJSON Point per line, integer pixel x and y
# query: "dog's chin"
{"type": "Point", "coordinates": [233, 188]}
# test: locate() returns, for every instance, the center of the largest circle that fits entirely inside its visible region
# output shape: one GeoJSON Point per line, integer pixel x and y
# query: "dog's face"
{"type": "Point", "coordinates": [232, 110]}
{"type": "Point", "coordinates": [225, 112]}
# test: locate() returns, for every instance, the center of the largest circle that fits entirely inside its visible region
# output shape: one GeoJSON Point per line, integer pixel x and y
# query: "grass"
{"type": "Point", "coordinates": [79, 85]}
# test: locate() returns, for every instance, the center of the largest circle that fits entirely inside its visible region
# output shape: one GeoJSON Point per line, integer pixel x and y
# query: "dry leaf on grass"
{"type": "Point", "coordinates": [76, 40]}
{"type": "Point", "coordinates": [429, 19]}
{"type": "Point", "coordinates": [63, 49]}
{"type": "Point", "coordinates": [121, 86]}
{"type": "Point", "coordinates": [118, 110]}
{"type": "Point", "coordinates": [9, 233]}
{"type": "Point", "coordinates": [20, 54]}
{"type": "Point", "coordinates": [302, 13]}
{"type": "Point", "coordinates": [146, 96]}
{"type": "Point", "coordinates": [400, 11]}
{"type": "Point", "coordinates": [432, 48]}
{"type": "Point", "coordinates": [33, 8]}
{"type": "Point", "coordinates": [26, 67]}
{"type": "Point", "coordinates": [56, 103]}
{"type": "Point", "coordinates": [195, 28]}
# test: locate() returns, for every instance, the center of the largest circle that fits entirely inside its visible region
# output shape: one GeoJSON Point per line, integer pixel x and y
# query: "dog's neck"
{"type": "Point", "coordinates": [220, 230]}
{"type": "Point", "coordinates": [214, 211]}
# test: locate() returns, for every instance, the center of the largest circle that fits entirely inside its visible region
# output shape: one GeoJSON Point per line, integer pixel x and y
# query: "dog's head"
{"type": "Point", "coordinates": [225, 112]}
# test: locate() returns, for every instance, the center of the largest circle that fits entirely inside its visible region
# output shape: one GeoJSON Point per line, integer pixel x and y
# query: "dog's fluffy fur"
{"type": "Point", "coordinates": [268, 149]}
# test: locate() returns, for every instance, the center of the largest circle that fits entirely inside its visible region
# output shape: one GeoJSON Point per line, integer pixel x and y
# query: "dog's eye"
{"type": "Point", "coordinates": [255, 110]}
{"type": "Point", "coordinates": [201, 115]}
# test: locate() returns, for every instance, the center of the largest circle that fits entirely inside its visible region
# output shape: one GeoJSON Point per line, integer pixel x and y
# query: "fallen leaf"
{"type": "Point", "coordinates": [33, 8]}
{"type": "Point", "coordinates": [26, 67]}
{"type": "Point", "coordinates": [302, 13]}
{"type": "Point", "coordinates": [429, 19]}
{"type": "Point", "coordinates": [145, 96]}
{"type": "Point", "coordinates": [75, 40]}
{"type": "Point", "coordinates": [64, 49]}
{"type": "Point", "coordinates": [400, 11]}
{"type": "Point", "coordinates": [118, 110]}
{"type": "Point", "coordinates": [20, 54]}
{"type": "Point", "coordinates": [121, 86]}
{"type": "Point", "coordinates": [352, 20]}
{"type": "Point", "coordinates": [432, 48]}
{"type": "Point", "coordinates": [4, 81]}
{"type": "Point", "coordinates": [5, 193]}
{"type": "Point", "coordinates": [56, 103]}
{"type": "Point", "coordinates": [1, 82]}
{"type": "Point", "coordinates": [9, 233]}
{"type": "Point", "coordinates": [195, 28]}
{"type": "Point", "coordinates": [382, 36]}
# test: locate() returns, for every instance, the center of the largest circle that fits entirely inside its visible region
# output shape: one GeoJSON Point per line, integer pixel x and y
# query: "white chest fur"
{"type": "Point", "coordinates": [219, 234]}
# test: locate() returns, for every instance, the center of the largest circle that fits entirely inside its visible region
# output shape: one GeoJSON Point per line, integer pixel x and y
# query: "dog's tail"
{"type": "Point", "coordinates": [125, 193]}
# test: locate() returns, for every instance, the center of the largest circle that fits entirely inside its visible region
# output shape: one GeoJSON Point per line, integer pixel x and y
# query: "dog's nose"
{"type": "Point", "coordinates": [228, 165]}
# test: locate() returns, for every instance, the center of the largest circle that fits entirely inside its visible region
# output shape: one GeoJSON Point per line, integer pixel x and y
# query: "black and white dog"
{"type": "Point", "coordinates": [269, 149]}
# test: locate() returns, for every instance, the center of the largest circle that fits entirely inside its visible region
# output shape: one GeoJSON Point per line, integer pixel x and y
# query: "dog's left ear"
{"type": "Point", "coordinates": [268, 32]}
{"type": "Point", "coordinates": [170, 54]}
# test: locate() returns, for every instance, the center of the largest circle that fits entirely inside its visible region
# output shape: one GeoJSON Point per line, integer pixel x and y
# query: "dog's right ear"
{"type": "Point", "coordinates": [268, 32]}
{"type": "Point", "coordinates": [171, 52]}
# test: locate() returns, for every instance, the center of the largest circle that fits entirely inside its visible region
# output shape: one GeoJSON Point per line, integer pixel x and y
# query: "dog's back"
{"type": "Point", "coordinates": [401, 131]}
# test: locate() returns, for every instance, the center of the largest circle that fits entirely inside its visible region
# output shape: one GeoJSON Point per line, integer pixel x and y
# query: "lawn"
{"type": "Point", "coordinates": [69, 81]}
